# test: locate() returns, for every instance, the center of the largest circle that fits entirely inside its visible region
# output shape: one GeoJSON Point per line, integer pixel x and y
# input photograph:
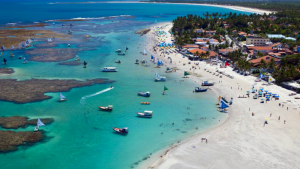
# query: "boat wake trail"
{"type": "Point", "coordinates": [82, 101]}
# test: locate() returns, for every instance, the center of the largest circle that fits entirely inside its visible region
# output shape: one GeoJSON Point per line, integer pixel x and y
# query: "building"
{"type": "Point", "coordinates": [278, 36]}
{"type": "Point", "coordinates": [257, 41]}
{"type": "Point", "coordinates": [191, 46]}
{"type": "Point", "coordinates": [225, 52]}
{"type": "Point", "coordinates": [267, 59]}
{"type": "Point", "coordinates": [261, 49]}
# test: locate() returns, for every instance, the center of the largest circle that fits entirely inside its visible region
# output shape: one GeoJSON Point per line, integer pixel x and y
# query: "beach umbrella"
{"type": "Point", "coordinates": [267, 119]}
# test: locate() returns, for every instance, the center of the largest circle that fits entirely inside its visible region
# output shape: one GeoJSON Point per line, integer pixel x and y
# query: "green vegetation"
{"type": "Point", "coordinates": [288, 69]}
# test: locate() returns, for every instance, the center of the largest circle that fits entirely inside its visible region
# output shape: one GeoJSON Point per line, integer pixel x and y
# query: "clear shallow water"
{"type": "Point", "coordinates": [81, 136]}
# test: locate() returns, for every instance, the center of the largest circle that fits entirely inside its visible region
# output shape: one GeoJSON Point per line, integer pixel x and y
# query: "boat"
{"type": "Point", "coordinates": [121, 54]}
{"type": "Point", "coordinates": [146, 114]}
{"type": "Point", "coordinates": [144, 53]}
{"type": "Point", "coordinates": [49, 40]}
{"type": "Point", "coordinates": [62, 98]}
{"type": "Point", "coordinates": [117, 61]}
{"type": "Point", "coordinates": [123, 130]}
{"type": "Point", "coordinates": [168, 70]}
{"type": "Point", "coordinates": [108, 108]}
{"type": "Point", "coordinates": [70, 32]}
{"type": "Point", "coordinates": [118, 50]}
{"type": "Point", "coordinates": [147, 103]}
{"type": "Point", "coordinates": [109, 69]}
{"type": "Point", "coordinates": [198, 89]}
{"type": "Point", "coordinates": [159, 78]}
{"type": "Point", "coordinates": [11, 54]}
{"type": "Point", "coordinates": [39, 123]}
{"type": "Point", "coordinates": [146, 94]}
{"type": "Point", "coordinates": [206, 83]}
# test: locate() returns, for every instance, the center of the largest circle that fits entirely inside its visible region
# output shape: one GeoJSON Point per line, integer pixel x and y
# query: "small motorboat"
{"type": "Point", "coordinates": [118, 50]}
{"type": "Point", "coordinates": [62, 98]}
{"type": "Point", "coordinates": [147, 103]}
{"type": "Point", "coordinates": [146, 114]}
{"type": "Point", "coordinates": [109, 69]}
{"type": "Point", "coordinates": [198, 89]}
{"type": "Point", "coordinates": [117, 61]}
{"type": "Point", "coordinates": [123, 130]}
{"type": "Point", "coordinates": [206, 83]}
{"type": "Point", "coordinates": [146, 94]}
{"type": "Point", "coordinates": [159, 78]}
{"type": "Point", "coordinates": [122, 54]}
{"type": "Point", "coordinates": [108, 108]}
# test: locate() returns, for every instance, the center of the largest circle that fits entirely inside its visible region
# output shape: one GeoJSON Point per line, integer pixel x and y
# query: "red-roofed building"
{"type": "Point", "coordinates": [260, 49]}
{"type": "Point", "coordinates": [194, 51]}
{"type": "Point", "coordinates": [225, 52]}
{"type": "Point", "coordinates": [267, 59]}
{"type": "Point", "coordinates": [191, 46]}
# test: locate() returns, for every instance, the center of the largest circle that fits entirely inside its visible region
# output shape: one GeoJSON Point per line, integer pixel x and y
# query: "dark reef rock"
{"type": "Point", "coordinates": [10, 140]}
{"type": "Point", "coordinates": [6, 71]}
{"type": "Point", "coordinates": [71, 63]}
{"type": "Point", "coordinates": [33, 90]}
{"type": "Point", "coordinates": [15, 122]}
{"type": "Point", "coordinates": [143, 31]}
{"type": "Point", "coordinates": [51, 54]}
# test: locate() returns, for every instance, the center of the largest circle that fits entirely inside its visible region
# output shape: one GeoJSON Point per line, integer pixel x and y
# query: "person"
{"type": "Point", "coordinates": [84, 64]}
{"type": "Point", "coordinates": [206, 141]}
{"type": "Point", "coordinates": [4, 61]}
{"type": "Point", "coordinates": [163, 93]}
{"type": "Point", "coordinates": [284, 121]}
{"type": "Point", "coordinates": [252, 114]}
{"type": "Point", "coordinates": [111, 87]}
{"type": "Point", "coordinates": [279, 118]}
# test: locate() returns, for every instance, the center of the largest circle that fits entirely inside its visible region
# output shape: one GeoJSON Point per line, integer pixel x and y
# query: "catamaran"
{"type": "Point", "coordinates": [109, 69]}
{"type": "Point", "coordinates": [62, 98]}
{"type": "Point", "coordinates": [39, 123]}
{"type": "Point", "coordinates": [146, 114]}
{"type": "Point", "coordinates": [159, 78]}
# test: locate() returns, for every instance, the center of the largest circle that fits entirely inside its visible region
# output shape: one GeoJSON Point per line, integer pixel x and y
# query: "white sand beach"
{"type": "Point", "coordinates": [238, 8]}
{"type": "Point", "coordinates": [242, 140]}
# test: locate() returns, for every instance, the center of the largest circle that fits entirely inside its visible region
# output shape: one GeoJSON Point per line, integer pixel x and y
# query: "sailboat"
{"type": "Point", "coordinates": [49, 40]}
{"type": "Point", "coordinates": [159, 78]}
{"type": "Point", "coordinates": [62, 98]}
{"type": "Point", "coordinates": [144, 53]}
{"type": "Point", "coordinates": [165, 89]}
{"type": "Point", "coordinates": [224, 107]}
{"type": "Point", "coordinates": [39, 123]}
{"type": "Point", "coordinates": [11, 54]}
{"type": "Point", "coordinates": [1, 53]}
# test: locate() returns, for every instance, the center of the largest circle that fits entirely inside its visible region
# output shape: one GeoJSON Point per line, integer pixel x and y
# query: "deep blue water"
{"type": "Point", "coordinates": [81, 136]}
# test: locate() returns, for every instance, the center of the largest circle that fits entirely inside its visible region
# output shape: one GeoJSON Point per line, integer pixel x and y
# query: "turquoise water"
{"type": "Point", "coordinates": [81, 136]}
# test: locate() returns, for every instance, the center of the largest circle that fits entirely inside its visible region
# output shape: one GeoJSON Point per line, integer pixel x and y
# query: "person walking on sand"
{"type": "Point", "coordinates": [271, 115]}
{"type": "Point", "coordinates": [252, 114]}
{"type": "Point", "coordinates": [206, 141]}
{"type": "Point", "coordinates": [284, 121]}
{"type": "Point", "coordinates": [279, 118]}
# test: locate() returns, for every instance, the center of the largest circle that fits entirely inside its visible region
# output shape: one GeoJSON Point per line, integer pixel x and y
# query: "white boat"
{"type": "Point", "coordinates": [62, 98]}
{"type": "Point", "coordinates": [159, 78]}
{"type": "Point", "coordinates": [49, 40]}
{"type": "Point", "coordinates": [109, 69]}
{"type": "Point", "coordinates": [118, 50]}
{"type": "Point", "coordinates": [146, 114]}
{"type": "Point", "coordinates": [39, 123]}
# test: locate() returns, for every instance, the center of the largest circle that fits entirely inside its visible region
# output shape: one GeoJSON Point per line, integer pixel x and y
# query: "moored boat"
{"type": "Point", "coordinates": [109, 69]}
{"type": "Point", "coordinates": [198, 89]}
{"type": "Point", "coordinates": [146, 114]}
{"type": "Point", "coordinates": [122, 54]}
{"type": "Point", "coordinates": [108, 108]}
{"type": "Point", "coordinates": [147, 103]}
{"type": "Point", "coordinates": [118, 50]}
{"type": "Point", "coordinates": [117, 61]}
{"type": "Point", "coordinates": [144, 94]}
{"type": "Point", "coordinates": [123, 130]}
{"type": "Point", "coordinates": [206, 83]}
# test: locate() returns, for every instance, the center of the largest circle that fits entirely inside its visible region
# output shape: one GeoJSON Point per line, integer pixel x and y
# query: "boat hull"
{"type": "Point", "coordinates": [201, 90]}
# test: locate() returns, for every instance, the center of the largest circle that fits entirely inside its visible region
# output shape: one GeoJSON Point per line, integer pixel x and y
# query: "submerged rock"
{"type": "Point", "coordinates": [15, 122]}
{"type": "Point", "coordinates": [71, 63]}
{"type": "Point", "coordinates": [51, 54]}
{"type": "Point", "coordinates": [6, 71]}
{"type": "Point", "coordinates": [10, 140]}
{"type": "Point", "coordinates": [33, 90]}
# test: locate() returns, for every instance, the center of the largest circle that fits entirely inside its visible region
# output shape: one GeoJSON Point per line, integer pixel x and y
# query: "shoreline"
{"type": "Point", "coordinates": [238, 120]}
{"type": "Point", "coordinates": [238, 8]}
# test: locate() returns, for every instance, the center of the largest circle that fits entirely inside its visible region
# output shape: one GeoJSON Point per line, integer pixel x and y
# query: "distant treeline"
{"type": "Point", "coordinates": [276, 5]}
